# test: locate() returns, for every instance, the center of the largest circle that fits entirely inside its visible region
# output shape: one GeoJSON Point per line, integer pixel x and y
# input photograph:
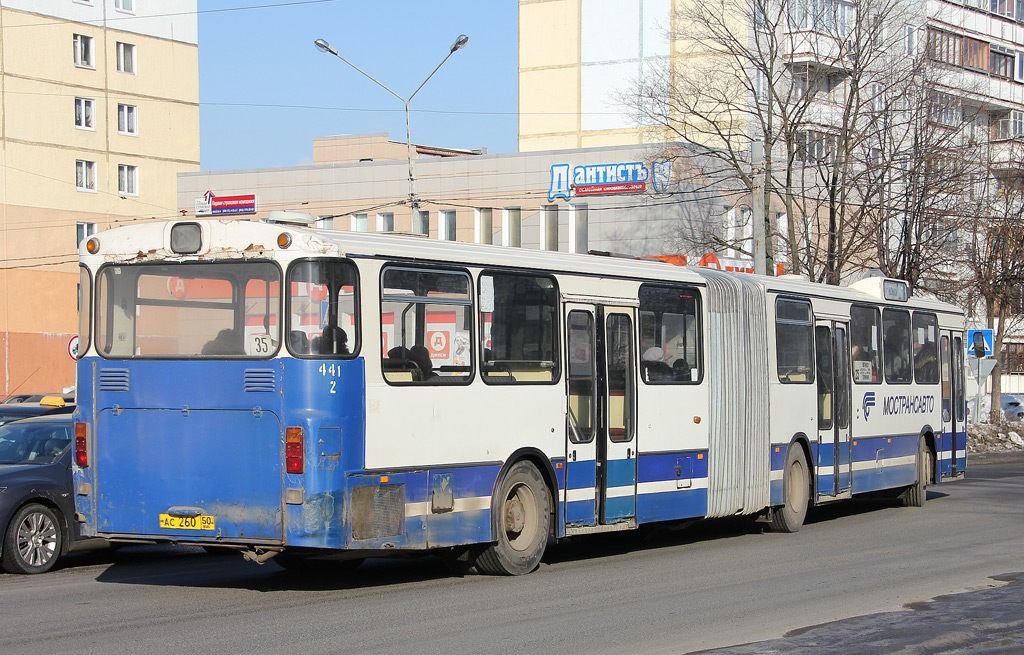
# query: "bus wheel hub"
{"type": "Point", "coordinates": [515, 519]}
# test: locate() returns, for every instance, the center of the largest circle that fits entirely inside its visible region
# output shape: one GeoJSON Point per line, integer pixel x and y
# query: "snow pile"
{"type": "Point", "coordinates": [988, 438]}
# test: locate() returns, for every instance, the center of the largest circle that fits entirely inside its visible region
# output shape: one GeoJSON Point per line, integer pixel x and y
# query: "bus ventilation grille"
{"type": "Point", "coordinates": [259, 379]}
{"type": "Point", "coordinates": [114, 379]}
{"type": "Point", "coordinates": [378, 511]}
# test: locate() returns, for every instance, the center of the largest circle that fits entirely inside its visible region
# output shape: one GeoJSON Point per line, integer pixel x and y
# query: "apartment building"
{"type": "Point", "coordinates": [99, 111]}
{"type": "Point", "coordinates": [579, 59]}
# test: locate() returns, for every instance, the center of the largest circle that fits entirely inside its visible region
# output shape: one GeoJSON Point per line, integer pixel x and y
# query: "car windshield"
{"type": "Point", "coordinates": [13, 414]}
{"type": "Point", "coordinates": [34, 442]}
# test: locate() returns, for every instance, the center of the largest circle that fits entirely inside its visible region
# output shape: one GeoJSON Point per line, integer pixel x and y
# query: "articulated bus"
{"type": "Point", "coordinates": [323, 396]}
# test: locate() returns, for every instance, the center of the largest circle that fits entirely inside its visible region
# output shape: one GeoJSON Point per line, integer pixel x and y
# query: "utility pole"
{"type": "Point", "coordinates": [757, 209]}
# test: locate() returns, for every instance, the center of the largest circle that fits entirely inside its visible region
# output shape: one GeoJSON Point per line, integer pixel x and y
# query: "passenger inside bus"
{"type": "Point", "coordinates": [227, 342]}
{"type": "Point", "coordinates": [421, 356]}
{"type": "Point", "coordinates": [334, 341]}
{"type": "Point", "coordinates": [681, 370]}
{"type": "Point", "coordinates": [299, 342]}
{"type": "Point", "coordinates": [654, 367]}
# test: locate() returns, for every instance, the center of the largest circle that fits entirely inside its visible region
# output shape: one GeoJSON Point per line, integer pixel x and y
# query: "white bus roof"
{"type": "Point", "coordinates": [241, 239]}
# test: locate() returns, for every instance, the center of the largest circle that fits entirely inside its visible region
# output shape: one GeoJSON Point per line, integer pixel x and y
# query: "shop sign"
{"type": "Point", "coordinates": [211, 205]}
{"type": "Point", "coordinates": [607, 179]}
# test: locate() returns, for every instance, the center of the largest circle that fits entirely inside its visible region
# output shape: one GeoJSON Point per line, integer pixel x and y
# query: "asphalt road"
{"type": "Point", "coordinates": [718, 584]}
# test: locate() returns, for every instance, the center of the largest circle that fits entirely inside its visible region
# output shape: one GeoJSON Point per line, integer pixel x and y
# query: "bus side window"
{"type": "Point", "coordinates": [866, 354]}
{"type": "Point", "coordinates": [896, 346]}
{"type": "Point", "coordinates": [322, 309]}
{"type": "Point", "coordinates": [518, 329]}
{"type": "Point", "coordinates": [794, 341]}
{"type": "Point", "coordinates": [426, 326]}
{"type": "Point", "coordinates": [670, 335]}
{"type": "Point", "coordinates": [926, 360]}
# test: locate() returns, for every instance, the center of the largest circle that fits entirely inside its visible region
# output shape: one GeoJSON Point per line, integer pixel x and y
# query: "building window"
{"type": "Point", "coordinates": [446, 225]}
{"type": "Point", "coordinates": [1008, 125]}
{"type": "Point", "coordinates": [976, 54]}
{"type": "Point", "coordinates": [945, 47]}
{"type": "Point", "coordinates": [386, 222]}
{"type": "Point", "coordinates": [1000, 62]}
{"type": "Point", "coordinates": [127, 6]}
{"type": "Point", "coordinates": [84, 114]}
{"type": "Point", "coordinates": [944, 109]}
{"type": "Point", "coordinates": [813, 147]}
{"type": "Point", "coordinates": [1013, 357]}
{"type": "Point", "coordinates": [358, 223]}
{"type": "Point", "coordinates": [125, 58]}
{"type": "Point", "coordinates": [85, 175]}
{"type": "Point", "coordinates": [910, 41]}
{"type": "Point", "coordinates": [127, 120]}
{"type": "Point", "coordinates": [1002, 8]}
{"type": "Point", "coordinates": [128, 179]}
{"type": "Point", "coordinates": [83, 51]}
{"type": "Point", "coordinates": [85, 230]}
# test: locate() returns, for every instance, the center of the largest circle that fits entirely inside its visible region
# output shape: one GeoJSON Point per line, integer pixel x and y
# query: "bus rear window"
{"type": "Point", "coordinates": [222, 310]}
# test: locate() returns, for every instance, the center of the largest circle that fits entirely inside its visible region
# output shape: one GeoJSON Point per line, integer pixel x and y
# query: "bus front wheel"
{"type": "Point", "coordinates": [520, 514]}
{"type": "Point", "coordinates": [795, 492]}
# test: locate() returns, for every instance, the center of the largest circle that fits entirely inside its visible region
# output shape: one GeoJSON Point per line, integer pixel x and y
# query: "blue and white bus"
{"type": "Point", "coordinates": [311, 394]}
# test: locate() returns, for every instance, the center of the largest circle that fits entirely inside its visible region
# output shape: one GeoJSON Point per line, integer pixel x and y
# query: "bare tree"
{"type": "Point", "coordinates": [994, 254]}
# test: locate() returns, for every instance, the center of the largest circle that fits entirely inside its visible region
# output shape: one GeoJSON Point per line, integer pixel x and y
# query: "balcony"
{"type": "Point", "coordinates": [816, 49]}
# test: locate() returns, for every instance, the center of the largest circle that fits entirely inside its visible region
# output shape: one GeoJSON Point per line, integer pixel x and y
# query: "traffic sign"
{"type": "Point", "coordinates": [986, 335]}
{"type": "Point", "coordinates": [73, 347]}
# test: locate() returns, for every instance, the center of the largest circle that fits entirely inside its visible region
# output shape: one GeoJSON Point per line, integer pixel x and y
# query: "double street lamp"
{"type": "Point", "coordinates": [324, 46]}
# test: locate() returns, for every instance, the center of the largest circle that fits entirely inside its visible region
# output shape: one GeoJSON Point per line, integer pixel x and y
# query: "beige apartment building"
{"type": "Point", "coordinates": [99, 111]}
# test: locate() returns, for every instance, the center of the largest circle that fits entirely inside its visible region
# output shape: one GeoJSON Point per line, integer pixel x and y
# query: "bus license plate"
{"type": "Point", "coordinates": [201, 522]}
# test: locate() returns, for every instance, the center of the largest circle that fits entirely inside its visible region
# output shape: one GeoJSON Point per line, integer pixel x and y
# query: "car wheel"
{"type": "Point", "coordinates": [33, 540]}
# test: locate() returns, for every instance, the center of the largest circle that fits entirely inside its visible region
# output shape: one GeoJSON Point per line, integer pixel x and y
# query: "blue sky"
{"type": "Point", "coordinates": [265, 91]}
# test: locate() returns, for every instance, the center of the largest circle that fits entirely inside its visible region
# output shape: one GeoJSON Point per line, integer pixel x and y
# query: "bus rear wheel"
{"type": "Point", "coordinates": [915, 494]}
{"type": "Point", "coordinates": [795, 492]}
{"type": "Point", "coordinates": [520, 515]}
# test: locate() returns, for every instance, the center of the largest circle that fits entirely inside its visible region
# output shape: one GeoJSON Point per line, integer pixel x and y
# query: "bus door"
{"type": "Point", "coordinates": [600, 418]}
{"type": "Point", "coordinates": [953, 426]}
{"type": "Point", "coordinates": [833, 472]}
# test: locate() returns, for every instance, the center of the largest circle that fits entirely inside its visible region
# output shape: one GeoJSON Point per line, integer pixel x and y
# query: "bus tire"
{"type": "Point", "coordinates": [520, 515]}
{"type": "Point", "coordinates": [795, 492]}
{"type": "Point", "coordinates": [915, 494]}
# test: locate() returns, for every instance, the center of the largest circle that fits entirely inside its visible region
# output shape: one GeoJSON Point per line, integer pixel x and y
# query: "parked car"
{"type": "Point", "coordinates": [48, 405]}
{"type": "Point", "coordinates": [37, 501]}
{"type": "Point", "coordinates": [1013, 407]}
{"type": "Point", "coordinates": [36, 398]}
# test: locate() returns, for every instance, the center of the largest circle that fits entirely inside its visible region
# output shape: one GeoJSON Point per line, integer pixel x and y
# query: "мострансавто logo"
{"type": "Point", "coordinates": [869, 401]}
{"type": "Point", "coordinates": [901, 404]}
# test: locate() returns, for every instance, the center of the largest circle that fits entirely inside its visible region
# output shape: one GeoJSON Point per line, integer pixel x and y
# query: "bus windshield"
{"type": "Point", "coordinates": [201, 310]}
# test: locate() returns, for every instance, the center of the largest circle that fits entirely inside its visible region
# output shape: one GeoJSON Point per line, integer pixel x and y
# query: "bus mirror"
{"type": "Point", "coordinates": [979, 346]}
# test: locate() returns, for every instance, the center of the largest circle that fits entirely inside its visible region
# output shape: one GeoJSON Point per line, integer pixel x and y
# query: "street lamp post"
{"type": "Point", "coordinates": [324, 46]}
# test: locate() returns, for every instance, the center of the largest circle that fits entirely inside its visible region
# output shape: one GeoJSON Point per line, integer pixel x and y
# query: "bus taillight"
{"type": "Point", "coordinates": [81, 445]}
{"type": "Point", "coordinates": [294, 439]}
